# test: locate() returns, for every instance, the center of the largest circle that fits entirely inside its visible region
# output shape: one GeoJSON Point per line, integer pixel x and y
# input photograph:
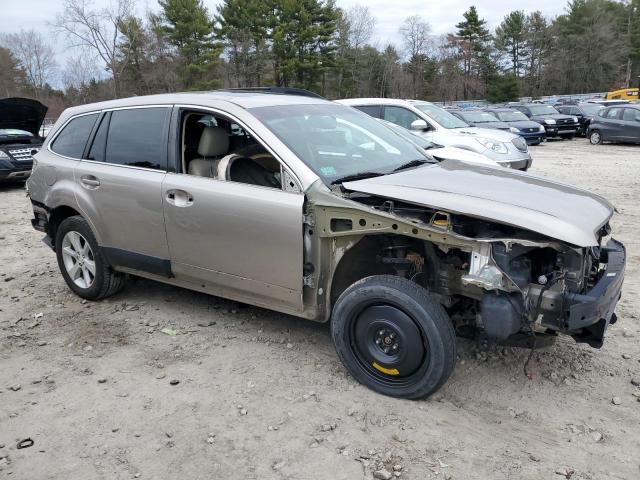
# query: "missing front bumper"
{"type": "Point", "coordinates": [588, 315]}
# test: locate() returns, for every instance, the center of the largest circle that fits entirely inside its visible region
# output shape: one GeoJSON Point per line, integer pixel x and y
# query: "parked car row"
{"type": "Point", "coordinates": [440, 126]}
{"type": "Point", "coordinates": [315, 209]}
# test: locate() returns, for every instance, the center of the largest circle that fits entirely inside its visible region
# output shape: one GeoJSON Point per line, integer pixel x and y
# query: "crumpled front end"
{"type": "Point", "coordinates": [542, 291]}
{"type": "Point", "coordinates": [507, 283]}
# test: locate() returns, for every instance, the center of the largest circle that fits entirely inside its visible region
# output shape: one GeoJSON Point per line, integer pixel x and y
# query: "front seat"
{"type": "Point", "coordinates": [214, 143]}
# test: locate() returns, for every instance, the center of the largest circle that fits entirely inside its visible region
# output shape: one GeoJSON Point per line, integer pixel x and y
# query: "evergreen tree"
{"type": "Point", "coordinates": [188, 27]}
{"type": "Point", "coordinates": [510, 38]}
{"type": "Point", "coordinates": [473, 37]}
{"type": "Point", "coordinates": [503, 88]}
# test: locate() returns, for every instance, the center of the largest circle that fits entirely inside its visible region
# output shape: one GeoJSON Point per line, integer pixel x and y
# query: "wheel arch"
{"type": "Point", "coordinates": [56, 216]}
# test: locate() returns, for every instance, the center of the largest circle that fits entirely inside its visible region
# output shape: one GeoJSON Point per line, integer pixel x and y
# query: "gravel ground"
{"type": "Point", "coordinates": [263, 395]}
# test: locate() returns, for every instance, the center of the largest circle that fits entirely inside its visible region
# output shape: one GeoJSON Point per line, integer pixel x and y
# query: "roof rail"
{"type": "Point", "coordinates": [275, 90]}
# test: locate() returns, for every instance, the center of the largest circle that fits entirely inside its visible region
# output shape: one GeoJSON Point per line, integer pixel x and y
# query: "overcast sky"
{"type": "Point", "coordinates": [442, 15]}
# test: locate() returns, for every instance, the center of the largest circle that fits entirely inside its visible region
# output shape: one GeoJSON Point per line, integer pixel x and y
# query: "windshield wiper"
{"type": "Point", "coordinates": [412, 163]}
{"type": "Point", "coordinates": [356, 176]}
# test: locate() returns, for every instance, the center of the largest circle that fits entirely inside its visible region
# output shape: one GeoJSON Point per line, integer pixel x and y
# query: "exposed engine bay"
{"type": "Point", "coordinates": [501, 282]}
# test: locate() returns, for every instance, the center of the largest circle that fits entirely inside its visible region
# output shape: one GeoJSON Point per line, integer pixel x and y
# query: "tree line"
{"type": "Point", "coordinates": [314, 44]}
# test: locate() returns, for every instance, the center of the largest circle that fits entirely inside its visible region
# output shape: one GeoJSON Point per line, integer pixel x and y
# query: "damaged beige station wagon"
{"type": "Point", "coordinates": [314, 209]}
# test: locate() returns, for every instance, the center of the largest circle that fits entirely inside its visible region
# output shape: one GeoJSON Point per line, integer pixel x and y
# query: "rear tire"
{"type": "Point", "coordinates": [595, 137]}
{"type": "Point", "coordinates": [394, 337]}
{"type": "Point", "coordinates": [81, 262]}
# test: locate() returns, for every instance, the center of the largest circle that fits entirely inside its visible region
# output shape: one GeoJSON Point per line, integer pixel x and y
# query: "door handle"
{"type": "Point", "coordinates": [179, 198]}
{"type": "Point", "coordinates": [89, 181]}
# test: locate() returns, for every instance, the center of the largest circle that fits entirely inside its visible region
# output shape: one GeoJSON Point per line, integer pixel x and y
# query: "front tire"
{"type": "Point", "coordinates": [394, 337]}
{"type": "Point", "coordinates": [81, 262]}
{"type": "Point", "coordinates": [595, 137]}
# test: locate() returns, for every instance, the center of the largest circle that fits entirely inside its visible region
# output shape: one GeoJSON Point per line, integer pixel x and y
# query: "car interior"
{"type": "Point", "coordinates": [215, 147]}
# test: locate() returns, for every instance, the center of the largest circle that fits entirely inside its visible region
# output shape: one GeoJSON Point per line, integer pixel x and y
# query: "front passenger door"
{"type": "Point", "coordinates": [236, 240]}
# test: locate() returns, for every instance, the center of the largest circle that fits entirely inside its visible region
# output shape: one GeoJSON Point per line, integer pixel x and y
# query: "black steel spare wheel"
{"type": "Point", "coordinates": [393, 336]}
{"type": "Point", "coordinates": [388, 342]}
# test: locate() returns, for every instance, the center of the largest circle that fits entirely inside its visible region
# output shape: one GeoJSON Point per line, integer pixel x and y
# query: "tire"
{"type": "Point", "coordinates": [81, 262]}
{"type": "Point", "coordinates": [595, 137]}
{"type": "Point", "coordinates": [394, 337]}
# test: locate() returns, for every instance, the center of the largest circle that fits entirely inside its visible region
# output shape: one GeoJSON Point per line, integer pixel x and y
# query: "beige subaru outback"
{"type": "Point", "coordinates": [315, 209]}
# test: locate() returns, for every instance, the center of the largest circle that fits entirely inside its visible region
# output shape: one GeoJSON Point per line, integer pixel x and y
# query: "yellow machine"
{"type": "Point", "coordinates": [624, 94]}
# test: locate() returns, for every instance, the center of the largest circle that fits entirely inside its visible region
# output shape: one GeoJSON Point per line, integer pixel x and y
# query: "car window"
{"type": "Point", "coordinates": [97, 149]}
{"type": "Point", "coordinates": [542, 110]}
{"type": "Point", "coordinates": [71, 141]}
{"type": "Point", "coordinates": [400, 116]}
{"type": "Point", "coordinates": [373, 110]}
{"type": "Point", "coordinates": [592, 109]}
{"type": "Point", "coordinates": [631, 114]}
{"type": "Point", "coordinates": [136, 137]}
{"type": "Point", "coordinates": [512, 116]}
{"type": "Point", "coordinates": [562, 109]}
{"type": "Point", "coordinates": [614, 113]}
{"type": "Point", "coordinates": [217, 147]}
{"type": "Point", "coordinates": [441, 116]}
{"type": "Point", "coordinates": [477, 117]}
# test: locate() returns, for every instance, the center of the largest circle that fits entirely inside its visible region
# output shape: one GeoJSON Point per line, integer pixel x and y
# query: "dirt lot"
{"type": "Point", "coordinates": [263, 395]}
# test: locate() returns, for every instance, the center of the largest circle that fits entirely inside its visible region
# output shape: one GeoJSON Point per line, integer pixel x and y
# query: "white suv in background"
{"type": "Point", "coordinates": [437, 125]}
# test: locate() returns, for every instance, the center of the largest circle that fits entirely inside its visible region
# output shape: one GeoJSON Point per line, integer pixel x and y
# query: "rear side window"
{"type": "Point", "coordinates": [99, 144]}
{"type": "Point", "coordinates": [71, 141]}
{"type": "Point", "coordinates": [137, 138]}
{"type": "Point", "coordinates": [373, 110]}
{"type": "Point", "coordinates": [631, 114]}
{"type": "Point", "coordinates": [614, 113]}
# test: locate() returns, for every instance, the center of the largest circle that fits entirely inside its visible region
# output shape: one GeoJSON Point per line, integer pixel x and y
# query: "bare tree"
{"type": "Point", "coordinates": [97, 30]}
{"type": "Point", "coordinates": [415, 36]}
{"type": "Point", "coordinates": [35, 55]}
{"type": "Point", "coordinates": [360, 24]}
{"type": "Point", "coordinates": [79, 70]}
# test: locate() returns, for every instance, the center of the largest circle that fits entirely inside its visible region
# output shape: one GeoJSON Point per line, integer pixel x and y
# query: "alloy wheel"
{"type": "Point", "coordinates": [78, 259]}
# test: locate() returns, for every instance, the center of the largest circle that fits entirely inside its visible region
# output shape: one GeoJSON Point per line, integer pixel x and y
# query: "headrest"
{"type": "Point", "coordinates": [214, 142]}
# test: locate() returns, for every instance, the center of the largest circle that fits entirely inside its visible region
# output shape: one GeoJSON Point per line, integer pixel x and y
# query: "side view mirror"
{"type": "Point", "coordinates": [419, 125]}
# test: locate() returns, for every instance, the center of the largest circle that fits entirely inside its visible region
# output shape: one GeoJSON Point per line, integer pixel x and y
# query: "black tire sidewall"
{"type": "Point", "coordinates": [428, 315]}
{"type": "Point", "coordinates": [78, 224]}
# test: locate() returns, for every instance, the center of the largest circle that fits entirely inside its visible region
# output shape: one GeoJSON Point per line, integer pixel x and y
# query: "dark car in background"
{"type": "Point", "coordinates": [555, 123]}
{"type": "Point", "coordinates": [584, 112]}
{"type": "Point", "coordinates": [20, 121]}
{"type": "Point", "coordinates": [533, 132]}
{"type": "Point", "coordinates": [616, 124]}
{"type": "Point", "coordinates": [480, 119]}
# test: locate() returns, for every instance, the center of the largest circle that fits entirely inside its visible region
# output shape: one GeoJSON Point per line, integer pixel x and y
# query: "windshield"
{"type": "Point", "coordinates": [440, 116]}
{"type": "Point", "coordinates": [336, 141]}
{"type": "Point", "coordinates": [513, 116]}
{"type": "Point", "coordinates": [591, 109]}
{"type": "Point", "coordinates": [543, 110]}
{"type": "Point", "coordinates": [478, 117]}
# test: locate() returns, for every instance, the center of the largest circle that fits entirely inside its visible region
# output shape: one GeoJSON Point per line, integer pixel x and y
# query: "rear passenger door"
{"type": "Point", "coordinates": [612, 124]}
{"type": "Point", "coordinates": [631, 120]}
{"type": "Point", "coordinates": [121, 186]}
